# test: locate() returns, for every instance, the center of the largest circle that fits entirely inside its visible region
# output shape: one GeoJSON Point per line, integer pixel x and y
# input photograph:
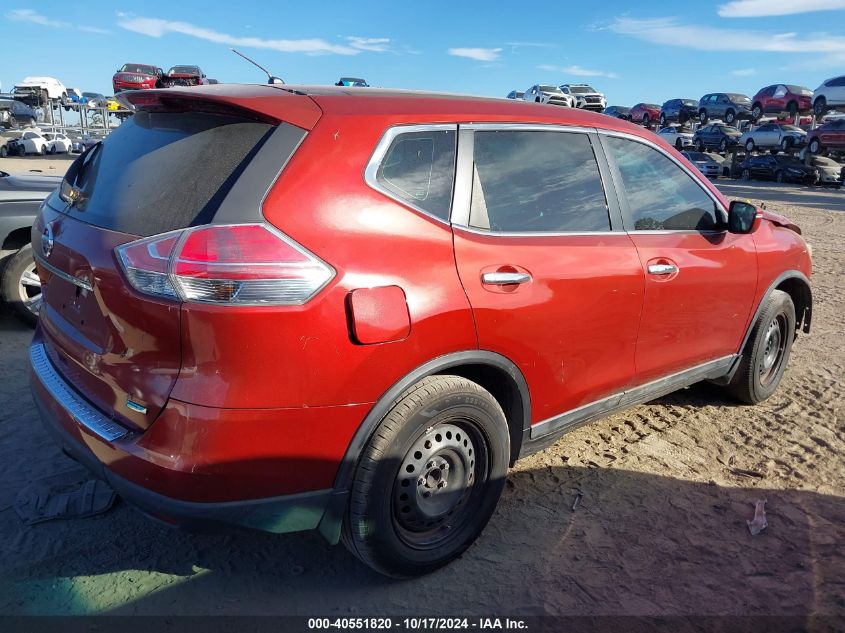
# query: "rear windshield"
{"type": "Point", "coordinates": [159, 172]}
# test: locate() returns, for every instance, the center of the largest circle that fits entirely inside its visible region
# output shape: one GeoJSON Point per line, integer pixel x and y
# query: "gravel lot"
{"type": "Point", "coordinates": [666, 490]}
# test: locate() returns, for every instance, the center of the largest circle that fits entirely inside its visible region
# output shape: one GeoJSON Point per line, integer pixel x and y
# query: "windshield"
{"type": "Point", "coordinates": [550, 89]}
{"type": "Point", "coordinates": [738, 97]}
{"type": "Point", "coordinates": [697, 156]}
{"type": "Point", "coordinates": [90, 94]}
{"type": "Point", "coordinates": [49, 137]}
{"type": "Point", "coordinates": [791, 128]}
{"type": "Point", "coordinates": [821, 161]}
{"type": "Point", "coordinates": [138, 68]}
{"type": "Point", "coordinates": [581, 89]}
{"type": "Point", "coordinates": [184, 70]}
{"type": "Point", "coordinates": [799, 90]}
{"type": "Point", "coordinates": [689, 102]}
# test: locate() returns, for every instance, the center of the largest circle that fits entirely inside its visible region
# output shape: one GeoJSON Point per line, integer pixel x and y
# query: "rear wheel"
{"type": "Point", "coordinates": [820, 106]}
{"type": "Point", "coordinates": [662, 120]}
{"type": "Point", "coordinates": [679, 144]}
{"type": "Point", "coordinates": [792, 109]}
{"type": "Point", "coordinates": [756, 111]}
{"type": "Point", "coordinates": [21, 287]}
{"type": "Point", "coordinates": [702, 117]}
{"type": "Point", "coordinates": [43, 150]}
{"type": "Point", "coordinates": [767, 351]}
{"type": "Point", "coordinates": [815, 146]}
{"type": "Point", "coordinates": [429, 479]}
{"type": "Point", "coordinates": [785, 144]}
{"type": "Point", "coordinates": [746, 174]}
{"type": "Point", "coordinates": [723, 145]}
{"type": "Point", "coordinates": [730, 117]}
{"type": "Point", "coordinates": [646, 121]}
{"type": "Point", "coordinates": [699, 145]}
{"type": "Point", "coordinates": [749, 145]}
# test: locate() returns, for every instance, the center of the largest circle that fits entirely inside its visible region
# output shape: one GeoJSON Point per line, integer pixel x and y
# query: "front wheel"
{"type": "Point", "coordinates": [646, 121]}
{"type": "Point", "coordinates": [815, 147]}
{"type": "Point", "coordinates": [767, 351]}
{"type": "Point", "coordinates": [723, 145]}
{"type": "Point", "coordinates": [662, 120]}
{"type": "Point", "coordinates": [679, 145]}
{"type": "Point", "coordinates": [756, 111]}
{"type": "Point", "coordinates": [820, 107]}
{"type": "Point", "coordinates": [702, 117]}
{"type": "Point", "coordinates": [730, 117]}
{"type": "Point", "coordinates": [785, 144]}
{"type": "Point", "coordinates": [429, 479]}
{"type": "Point", "coordinates": [749, 145]}
{"type": "Point", "coordinates": [746, 174]}
{"type": "Point", "coordinates": [21, 287]}
{"type": "Point", "coordinates": [699, 146]}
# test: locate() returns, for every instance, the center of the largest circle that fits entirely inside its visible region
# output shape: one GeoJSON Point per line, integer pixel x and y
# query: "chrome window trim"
{"type": "Point", "coordinates": [696, 179]}
{"type": "Point", "coordinates": [76, 281]}
{"type": "Point", "coordinates": [82, 412]}
{"type": "Point", "coordinates": [380, 151]}
{"type": "Point", "coordinates": [460, 215]}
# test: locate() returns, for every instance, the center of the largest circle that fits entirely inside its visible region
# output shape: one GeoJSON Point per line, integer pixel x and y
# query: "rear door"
{"type": "Point", "coordinates": [700, 280]}
{"type": "Point", "coordinates": [554, 282]}
{"type": "Point", "coordinates": [158, 172]}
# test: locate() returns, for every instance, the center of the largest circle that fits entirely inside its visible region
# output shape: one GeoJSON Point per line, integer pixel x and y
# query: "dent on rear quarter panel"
{"type": "Point", "coordinates": [304, 355]}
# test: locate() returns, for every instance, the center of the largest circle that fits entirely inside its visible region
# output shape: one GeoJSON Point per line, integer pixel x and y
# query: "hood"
{"type": "Point", "coordinates": [126, 73]}
{"type": "Point", "coordinates": [779, 220]}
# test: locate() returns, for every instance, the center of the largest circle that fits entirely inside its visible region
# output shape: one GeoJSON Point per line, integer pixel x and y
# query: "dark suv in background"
{"type": "Point", "coordinates": [728, 106]}
{"type": "Point", "coordinates": [680, 110]}
{"type": "Point", "coordinates": [14, 113]}
{"type": "Point", "coordinates": [715, 136]}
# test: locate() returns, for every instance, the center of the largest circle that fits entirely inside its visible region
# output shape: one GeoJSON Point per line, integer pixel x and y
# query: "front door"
{"type": "Point", "coordinates": [700, 280]}
{"type": "Point", "coordinates": [554, 282]}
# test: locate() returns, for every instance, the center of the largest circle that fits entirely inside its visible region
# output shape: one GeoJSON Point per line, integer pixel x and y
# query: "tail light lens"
{"type": "Point", "coordinates": [242, 264]}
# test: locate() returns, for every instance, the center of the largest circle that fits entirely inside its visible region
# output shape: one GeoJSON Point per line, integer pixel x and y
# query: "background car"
{"type": "Point", "coordinates": [716, 136]}
{"type": "Point", "coordinates": [93, 99]}
{"type": "Point", "coordinates": [184, 76]}
{"type": "Point", "coordinates": [829, 136]}
{"type": "Point", "coordinates": [586, 97]}
{"type": "Point", "coordinates": [20, 197]}
{"type": "Point", "coordinates": [38, 91]}
{"type": "Point", "coordinates": [58, 143]}
{"type": "Point", "coordinates": [548, 94]}
{"type": "Point", "coordinates": [73, 96]}
{"type": "Point", "coordinates": [674, 136]}
{"type": "Point", "coordinates": [779, 168]}
{"type": "Point", "coordinates": [355, 82]}
{"type": "Point", "coordinates": [16, 114]}
{"type": "Point", "coordinates": [728, 106]}
{"type": "Point", "coordinates": [704, 163]}
{"type": "Point", "coordinates": [136, 77]}
{"type": "Point", "coordinates": [830, 94]}
{"type": "Point", "coordinates": [645, 114]}
{"type": "Point", "coordinates": [620, 112]}
{"type": "Point", "coordinates": [829, 170]}
{"type": "Point", "coordinates": [680, 110]}
{"type": "Point", "coordinates": [779, 98]}
{"type": "Point", "coordinates": [515, 94]}
{"type": "Point", "coordinates": [773, 134]}
{"type": "Point", "coordinates": [30, 142]}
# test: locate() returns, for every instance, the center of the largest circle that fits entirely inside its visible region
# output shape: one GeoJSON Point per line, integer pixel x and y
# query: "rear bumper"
{"type": "Point", "coordinates": [189, 472]}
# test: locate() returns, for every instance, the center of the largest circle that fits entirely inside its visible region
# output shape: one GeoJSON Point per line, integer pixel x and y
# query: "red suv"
{"type": "Point", "coordinates": [782, 98]}
{"type": "Point", "coordinates": [136, 77]}
{"type": "Point", "coordinates": [645, 113]}
{"type": "Point", "coordinates": [352, 309]}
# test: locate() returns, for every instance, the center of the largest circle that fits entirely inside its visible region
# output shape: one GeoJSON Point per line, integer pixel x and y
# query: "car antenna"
{"type": "Point", "coordinates": [271, 79]}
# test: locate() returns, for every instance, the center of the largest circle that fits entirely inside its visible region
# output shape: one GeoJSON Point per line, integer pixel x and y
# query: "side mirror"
{"type": "Point", "coordinates": [742, 217]}
{"type": "Point", "coordinates": [275, 80]}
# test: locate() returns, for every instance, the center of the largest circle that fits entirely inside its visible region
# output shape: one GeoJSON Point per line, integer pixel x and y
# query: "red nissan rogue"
{"type": "Point", "coordinates": [351, 310]}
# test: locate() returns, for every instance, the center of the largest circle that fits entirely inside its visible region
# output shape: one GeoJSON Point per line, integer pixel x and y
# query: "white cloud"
{"type": "Point", "coordinates": [478, 54]}
{"type": "Point", "coordinates": [578, 71]}
{"type": "Point", "coordinates": [744, 72]}
{"type": "Point", "coordinates": [32, 16]}
{"type": "Point", "coordinates": [156, 27]}
{"type": "Point", "coordinates": [93, 29]}
{"type": "Point", "coordinates": [670, 32]}
{"type": "Point", "coordinates": [757, 8]}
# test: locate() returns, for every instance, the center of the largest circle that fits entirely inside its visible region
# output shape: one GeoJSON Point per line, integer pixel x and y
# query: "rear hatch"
{"type": "Point", "coordinates": [166, 168]}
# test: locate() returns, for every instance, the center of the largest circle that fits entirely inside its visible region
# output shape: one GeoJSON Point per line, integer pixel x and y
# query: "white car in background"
{"type": "Point", "coordinates": [672, 135]}
{"type": "Point", "coordinates": [586, 97]}
{"type": "Point", "coordinates": [58, 143]}
{"type": "Point", "coordinates": [30, 143]}
{"type": "Point", "coordinates": [39, 90]}
{"type": "Point", "coordinates": [829, 95]}
{"type": "Point", "coordinates": [549, 94]}
{"type": "Point", "coordinates": [773, 134]}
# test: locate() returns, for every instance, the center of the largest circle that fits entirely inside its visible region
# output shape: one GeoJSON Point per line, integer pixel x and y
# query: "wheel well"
{"type": "Point", "coordinates": [16, 239]}
{"type": "Point", "coordinates": [802, 297]}
{"type": "Point", "coordinates": [506, 392]}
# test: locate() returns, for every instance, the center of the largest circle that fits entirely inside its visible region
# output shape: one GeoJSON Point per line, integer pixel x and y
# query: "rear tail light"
{"type": "Point", "coordinates": [241, 264]}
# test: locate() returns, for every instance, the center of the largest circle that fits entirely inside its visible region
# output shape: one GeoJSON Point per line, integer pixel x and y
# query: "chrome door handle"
{"type": "Point", "coordinates": [662, 269]}
{"type": "Point", "coordinates": [503, 279]}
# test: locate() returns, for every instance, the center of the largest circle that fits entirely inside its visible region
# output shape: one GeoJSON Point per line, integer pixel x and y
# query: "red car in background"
{"type": "Point", "coordinates": [645, 114]}
{"type": "Point", "coordinates": [779, 98]}
{"type": "Point", "coordinates": [830, 136]}
{"type": "Point", "coordinates": [336, 316]}
{"type": "Point", "coordinates": [136, 77]}
{"type": "Point", "coordinates": [185, 76]}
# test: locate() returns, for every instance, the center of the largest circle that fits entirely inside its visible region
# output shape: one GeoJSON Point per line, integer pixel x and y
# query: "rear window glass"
{"type": "Point", "coordinates": [163, 171]}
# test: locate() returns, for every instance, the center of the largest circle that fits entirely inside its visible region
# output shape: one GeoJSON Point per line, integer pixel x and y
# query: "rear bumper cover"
{"type": "Point", "coordinates": [109, 453]}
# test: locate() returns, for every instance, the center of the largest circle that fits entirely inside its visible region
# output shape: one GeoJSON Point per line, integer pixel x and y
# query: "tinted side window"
{"type": "Point", "coordinates": [419, 167]}
{"type": "Point", "coordinates": [659, 193]}
{"type": "Point", "coordinates": [534, 181]}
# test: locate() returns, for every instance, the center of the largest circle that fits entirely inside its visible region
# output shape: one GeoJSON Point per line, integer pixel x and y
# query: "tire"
{"type": "Point", "coordinates": [662, 120]}
{"type": "Point", "coordinates": [792, 109]}
{"type": "Point", "coordinates": [786, 144]}
{"type": "Point", "coordinates": [779, 176]}
{"type": "Point", "coordinates": [21, 289]}
{"type": "Point", "coordinates": [723, 145]}
{"type": "Point", "coordinates": [3, 151]}
{"type": "Point", "coordinates": [699, 146]}
{"type": "Point", "coordinates": [678, 144]}
{"type": "Point", "coordinates": [426, 439]}
{"type": "Point", "coordinates": [749, 145]}
{"type": "Point", "coordinates": [702, 117]}
{"type": "Point", "coordinates": [746, 174]}
{"type": "Point", "coordinates": [730, 117]}
{"type": "Point", "coordinates": [820, 106]}
{"type": "Point", "coordinates": [767, 351]}
{"type": "Point", "coordinates": [815, 146]}
{"type": "Point", "coordinates": [43, 150]}
{"type": "Point", "coordinates": [646, 121]}
{"type": "Point", "coordinates": [53, 149]}
{"type": "Point", "coordinates": [756, 111]}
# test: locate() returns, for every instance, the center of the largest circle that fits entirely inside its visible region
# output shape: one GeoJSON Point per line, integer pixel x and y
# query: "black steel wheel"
{"type": "Point", "coordinates": [429, 479]}
{"type": "Point", "coordinates": [767, 351]}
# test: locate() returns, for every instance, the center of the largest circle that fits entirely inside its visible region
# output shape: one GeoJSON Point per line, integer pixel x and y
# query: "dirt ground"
{"type": "Point", "coordinates": [50, 165]}
{"type": "Point", "coordinates": [666, 489]}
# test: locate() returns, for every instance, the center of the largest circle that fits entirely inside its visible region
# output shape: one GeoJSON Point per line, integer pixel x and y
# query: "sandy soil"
{"type": "Point", "coordinates": [50, 165]}
{"type": "Point", "coordinates": [660, 529]}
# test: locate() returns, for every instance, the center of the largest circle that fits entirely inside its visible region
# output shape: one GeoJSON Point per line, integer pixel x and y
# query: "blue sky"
{"type": "Point", "coordinates": [633, 51]}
